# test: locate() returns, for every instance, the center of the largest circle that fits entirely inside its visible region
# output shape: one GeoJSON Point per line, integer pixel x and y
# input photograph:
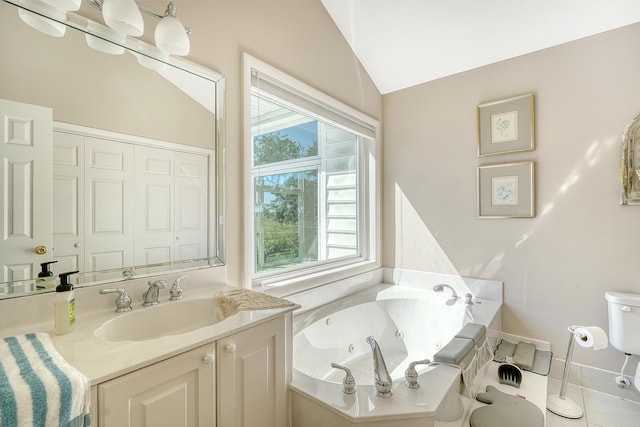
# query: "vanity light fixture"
{"type": "Point", "coordinates": [106, 33]}
{"type": "Point", "coordinates": [123, 16]}
{"type": "Point", "coordinates": [37, 19]}
{"type": "Point", "coordinates": [171, 35]}
{"type": "Point", "coordinates": [70, 5]}
{"type": "Point", "coordinates": [147, 54]}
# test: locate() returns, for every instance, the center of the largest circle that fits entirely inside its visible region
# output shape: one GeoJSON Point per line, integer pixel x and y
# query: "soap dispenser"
{"type": "Point", "coordinates": [65, 305]}
{"type": "Point", "coordinates": [45, 278]}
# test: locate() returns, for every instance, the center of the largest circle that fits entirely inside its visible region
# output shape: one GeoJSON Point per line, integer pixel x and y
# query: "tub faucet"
{"type": "Point", "coordinates": [411, 375]}
{"type": "Point", "coordinates": [381, 374]}
{"type": "Point", "coordinates": [441, 287]}
{"type": "Point", "coordinates": [348, 383]}
{"type": "Point", "coordinates": [151, 296]}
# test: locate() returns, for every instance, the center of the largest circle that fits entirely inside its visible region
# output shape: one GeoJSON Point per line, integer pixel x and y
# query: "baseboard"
{"type": "Point", "coordinates": [596, 379]}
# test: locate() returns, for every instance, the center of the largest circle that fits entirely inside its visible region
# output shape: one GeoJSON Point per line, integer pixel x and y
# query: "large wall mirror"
{"type": "Point", "coordinates": [125, 174]}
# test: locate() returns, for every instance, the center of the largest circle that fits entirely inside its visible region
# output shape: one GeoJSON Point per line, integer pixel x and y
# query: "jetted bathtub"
{"type": "Point", "coordinates": [409, 324]}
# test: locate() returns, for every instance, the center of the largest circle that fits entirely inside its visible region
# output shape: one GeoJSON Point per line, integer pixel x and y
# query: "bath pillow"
{"type": "Point", "coordinates": [505, 410]}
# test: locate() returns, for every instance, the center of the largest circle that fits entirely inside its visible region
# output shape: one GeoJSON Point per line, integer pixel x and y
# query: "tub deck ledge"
{"type": "Point", "coordinates": [421, 404]}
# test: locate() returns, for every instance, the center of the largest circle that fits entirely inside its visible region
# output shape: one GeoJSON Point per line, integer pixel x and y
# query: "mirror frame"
{"type": "Point", "coordinates": [630, 164]}
{"type": "Point", "coordinates": [217, 249]}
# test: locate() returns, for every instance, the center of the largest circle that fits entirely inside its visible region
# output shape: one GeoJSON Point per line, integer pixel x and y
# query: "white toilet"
{"type": "Point", "coordinates": [624, 324]}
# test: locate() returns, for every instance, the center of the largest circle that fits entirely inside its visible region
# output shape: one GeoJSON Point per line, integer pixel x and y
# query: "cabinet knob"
{"type": "Point", "coordinates": [40, 250]}
{"type": "Point", "coordinates": [625, 308]}
{"type": "Point", "coordinates": [230, 348]}
{"type": "Point", "coordinates": [209, 358]}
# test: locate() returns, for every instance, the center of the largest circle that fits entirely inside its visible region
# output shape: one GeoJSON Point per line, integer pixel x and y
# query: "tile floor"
{"type": "Point", "coordinates": [600, 409]}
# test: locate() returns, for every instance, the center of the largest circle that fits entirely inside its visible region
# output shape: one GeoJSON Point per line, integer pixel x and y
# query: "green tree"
{"type": "Point", "coordinates": [274, 147]}
{"type": "Point", "coordinates": [280, 238]}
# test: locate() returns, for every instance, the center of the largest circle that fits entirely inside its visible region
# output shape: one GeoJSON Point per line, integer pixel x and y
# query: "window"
{"type": "Point", "coordinates": [311, 205]}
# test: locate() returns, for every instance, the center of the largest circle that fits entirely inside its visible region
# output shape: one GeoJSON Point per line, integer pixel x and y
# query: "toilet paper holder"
{"type": "Point", "coordinates": [591, 336]}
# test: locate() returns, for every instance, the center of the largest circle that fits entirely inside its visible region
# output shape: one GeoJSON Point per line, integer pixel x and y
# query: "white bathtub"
{"type": "Point", "coordinates": [409, 324]}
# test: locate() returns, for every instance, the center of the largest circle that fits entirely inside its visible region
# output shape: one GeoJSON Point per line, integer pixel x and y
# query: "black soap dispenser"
{"type": "Point", "coordinates": [45, 278]}
{"type": "Point", "coordinates": [65, 305]}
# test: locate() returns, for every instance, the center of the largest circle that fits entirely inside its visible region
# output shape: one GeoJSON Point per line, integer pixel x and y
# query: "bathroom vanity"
{"type": "Point", "coordinates": [173, 371]}
{"type": "Point", "coordinates": [240, 380]}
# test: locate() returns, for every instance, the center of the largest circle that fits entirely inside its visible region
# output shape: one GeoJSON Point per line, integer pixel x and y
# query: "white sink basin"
{"type": "Point", "coordinates": [167, 318]}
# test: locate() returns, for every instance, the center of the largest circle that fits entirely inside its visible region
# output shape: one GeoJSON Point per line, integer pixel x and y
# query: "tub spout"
{"type": "Point", "coordinates": [381, 374]}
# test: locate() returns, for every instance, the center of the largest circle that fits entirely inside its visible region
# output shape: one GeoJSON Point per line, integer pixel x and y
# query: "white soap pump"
{"type": "Point", "coordinates": [45, 278]}
{"type": "Point", "coordinates": [65, 305]}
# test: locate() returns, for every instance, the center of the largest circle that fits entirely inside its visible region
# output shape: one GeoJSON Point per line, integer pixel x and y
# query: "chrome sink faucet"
{"type": "Point", "coordinates": [151, 296]}
{"type": "Point", "coordinates": [441, 287]}
{"type": "Point", "coordinates": [176, 290]}
{"type": "Point", "coordinates": [123, 301]}
{"type": "Point", "coordinates": [382, 378]}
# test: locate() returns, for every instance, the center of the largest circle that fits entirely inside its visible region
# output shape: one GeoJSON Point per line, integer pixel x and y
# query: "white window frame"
{"type": "Point", "coordinates": [369, 228]}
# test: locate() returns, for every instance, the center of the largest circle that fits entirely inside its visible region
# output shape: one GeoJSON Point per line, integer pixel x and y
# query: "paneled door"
{"type": "Point", "coordinates": [68, 201]}
{"type": "Point", "coordinates": [177, 392]}
{"type": "Point", "coordinates": [171, 205]}
{"type": "Point", "coordinates": [25, 193]}
{"type": "Point", "coordinates": [252, 377]}
{"type": "Point", "coordinates": [192, 201]}
{"type": "Point", "coordinates": [109, 197]}
{"type": "Point", "coordinates": [154, 188]}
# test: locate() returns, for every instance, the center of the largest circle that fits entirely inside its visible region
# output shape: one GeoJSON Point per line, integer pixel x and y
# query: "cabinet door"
{"type": "Point", "coordinates": [178, 392]}
{"type": "Point", "coordinates": [252, 379]}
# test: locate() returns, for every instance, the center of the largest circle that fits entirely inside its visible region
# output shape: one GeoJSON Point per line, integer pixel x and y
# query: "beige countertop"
{"type": "Point", "coordinates": [101, 360]}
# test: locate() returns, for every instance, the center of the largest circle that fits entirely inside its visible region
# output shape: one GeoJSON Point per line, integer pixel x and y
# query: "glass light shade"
{"type": "Point", "coordinates": [171, 36]}
{"type": "Point", "coordinates": [102, 45]}
{"type": "Point", "coordinates": [39, 22]}
{"type": "Point", "coordinates": [123, 16]}
{"type": "Point", "coordinates": [65, 4]}
{"type": "Point", "coordinates": [153, 52]}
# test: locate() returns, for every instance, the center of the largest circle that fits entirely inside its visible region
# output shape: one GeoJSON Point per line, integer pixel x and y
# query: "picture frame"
{"type": "Point", "coordinates": [506, 126]}
{"type": "Point", "coordinates": [506, 190]}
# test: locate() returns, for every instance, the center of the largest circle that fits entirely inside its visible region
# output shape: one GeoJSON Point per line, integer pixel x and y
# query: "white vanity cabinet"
{"type": "Point", "coordinates": [252, 376]}
{"type": "Point", "coordinates": [238, 381]}
{"type": "Point", "coordinates": [177, 392]}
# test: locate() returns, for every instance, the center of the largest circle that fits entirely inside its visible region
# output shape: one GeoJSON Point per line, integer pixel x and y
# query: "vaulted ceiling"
{"type": "Point", "coordinates": [402, 43]}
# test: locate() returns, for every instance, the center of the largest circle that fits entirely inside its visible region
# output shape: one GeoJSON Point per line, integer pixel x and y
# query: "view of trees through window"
{"type": "Point", "coordinates": [286, 203]}
{"type": "Point", "coordinates": [309, 185]}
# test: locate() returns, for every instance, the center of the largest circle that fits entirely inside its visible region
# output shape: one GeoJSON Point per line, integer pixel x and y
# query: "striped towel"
{"type": "Point", "coordinates": [38, 387]}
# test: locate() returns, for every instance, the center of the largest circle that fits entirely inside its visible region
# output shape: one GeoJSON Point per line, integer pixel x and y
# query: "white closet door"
{"type": "Point", "coordinates": [109, 196]}
{"type": "Point", "coordinates": [25, 193]}
{"type": "Point", "coordinates": [191, 206]}
{"type": "Point", "coordinates": [68, 202]}
{"type": "Point", "coordinates": [154, 188]}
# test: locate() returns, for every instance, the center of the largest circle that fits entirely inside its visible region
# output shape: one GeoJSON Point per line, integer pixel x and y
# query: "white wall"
{"type": "Point", "coordinates": [557, 266]}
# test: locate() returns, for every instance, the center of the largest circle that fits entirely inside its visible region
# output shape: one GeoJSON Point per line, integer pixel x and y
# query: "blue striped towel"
{"type": "Point", "coordinates": [38, 387]}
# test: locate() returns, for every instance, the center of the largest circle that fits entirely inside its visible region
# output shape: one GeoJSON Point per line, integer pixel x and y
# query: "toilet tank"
{"type": "Point", "coordinates": [624, 321]}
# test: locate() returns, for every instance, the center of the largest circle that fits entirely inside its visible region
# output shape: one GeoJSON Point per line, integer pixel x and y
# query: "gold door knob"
{"type": "Point", "coordinates": [40, 250]}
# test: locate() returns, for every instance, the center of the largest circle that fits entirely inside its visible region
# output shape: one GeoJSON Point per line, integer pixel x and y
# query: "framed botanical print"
{"type": "Point", "coordinates": [506, 190]}
{"type": "Point", "coordinates": [506, 126]}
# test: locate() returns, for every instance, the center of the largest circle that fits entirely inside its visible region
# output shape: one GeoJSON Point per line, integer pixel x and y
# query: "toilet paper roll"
{"type": "Point", "coordinates": [591, 336]}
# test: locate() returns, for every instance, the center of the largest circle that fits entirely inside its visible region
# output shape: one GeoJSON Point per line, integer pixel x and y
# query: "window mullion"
{"type": "Point", "coordinates": [322, 192]}
{"type": "Point", "coordinates": [287, 166]}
